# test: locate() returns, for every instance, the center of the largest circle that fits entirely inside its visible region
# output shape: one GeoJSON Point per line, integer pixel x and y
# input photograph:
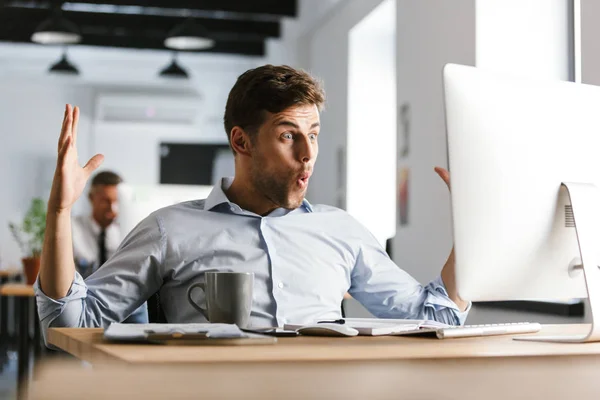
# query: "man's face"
{"type": "Point", "coordinates": [284, 151]}
{"type": "Point", "coordinates": [105, 202]}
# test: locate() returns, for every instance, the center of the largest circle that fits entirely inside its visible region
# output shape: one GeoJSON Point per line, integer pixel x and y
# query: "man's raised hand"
{"type": "Point", "coordinates": [70, 178]}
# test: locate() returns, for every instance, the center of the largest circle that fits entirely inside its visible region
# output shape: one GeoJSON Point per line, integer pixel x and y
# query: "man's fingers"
{"type": "Point", "coordinates": [93, 164]}
{"type": "Point", "coordinates": [62, 152]}
{"type": "Point", "coordinates": [445, 175]}
{"type": "Point", "coordinates": [66, 127]}
{"type": "Point", "coordinates": [74, 125]}
{"type": "Point", "coordinates": [61, 137]}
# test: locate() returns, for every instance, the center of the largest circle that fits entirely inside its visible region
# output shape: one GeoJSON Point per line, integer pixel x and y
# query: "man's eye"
{"type": "Point", "coordinates": [313, 136]}
{"type": "Point", "coordinates": [287, 136]}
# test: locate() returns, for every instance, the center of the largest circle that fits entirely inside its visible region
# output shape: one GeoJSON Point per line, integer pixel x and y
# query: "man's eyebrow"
{"type": "Point", "coordinates": [293, 125]}
{"type": "Point", "coordinates": [284, 122]}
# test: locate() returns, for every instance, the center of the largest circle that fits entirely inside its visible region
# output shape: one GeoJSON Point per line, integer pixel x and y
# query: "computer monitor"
{"type": "Point", "coordinates": [195, 163]}
{"type": "Point", "coordinates": [525, 171]}
{"type": "Point", "coordinates": [136, 202]}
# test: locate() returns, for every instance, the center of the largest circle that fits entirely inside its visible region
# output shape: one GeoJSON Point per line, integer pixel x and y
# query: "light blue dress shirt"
{"type": "Point", "coordinates": [304, 261]}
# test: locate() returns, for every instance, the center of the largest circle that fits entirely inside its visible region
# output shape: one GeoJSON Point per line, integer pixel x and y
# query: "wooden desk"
{"type": "Point", "coordinates": [329, 368]}
{"type": "Point", "coordinates": [17, 290]}
{"type": "Point", "coordinates": [88, 345]}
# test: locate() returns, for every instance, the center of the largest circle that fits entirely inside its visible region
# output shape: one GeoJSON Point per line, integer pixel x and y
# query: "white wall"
{"type": "Point", "coordinates": [430, 34]}
{"type": "Point", "coordinates": [31, 114]}
{"type": "Point", "coordinates": [371, 147]}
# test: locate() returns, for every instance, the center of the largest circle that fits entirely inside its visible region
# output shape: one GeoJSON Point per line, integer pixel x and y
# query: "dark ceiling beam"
{"type": "Point", "coordinates": [285, 8]}
{"type": "Point", "coordinates": [139, 25]}
{"type": "Point", "coordinates": [222, 47]}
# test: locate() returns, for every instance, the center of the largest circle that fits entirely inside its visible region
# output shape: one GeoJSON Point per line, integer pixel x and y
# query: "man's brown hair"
{"type": "Point", "coordinates": [108, 178]}
{"type": "Point", "coordinates": [269, 88]}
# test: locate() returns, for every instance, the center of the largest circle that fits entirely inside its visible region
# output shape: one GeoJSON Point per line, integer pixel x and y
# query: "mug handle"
{"type": "Point", "coordinates": [191, 301]}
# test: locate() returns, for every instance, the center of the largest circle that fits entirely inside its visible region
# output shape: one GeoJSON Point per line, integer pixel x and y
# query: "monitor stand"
{"type": "Point", "coordinates": [585, 201]}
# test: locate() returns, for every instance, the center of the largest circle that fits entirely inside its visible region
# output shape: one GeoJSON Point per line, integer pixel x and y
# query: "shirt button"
{"type": "Point", "coordinates": [280, 285]}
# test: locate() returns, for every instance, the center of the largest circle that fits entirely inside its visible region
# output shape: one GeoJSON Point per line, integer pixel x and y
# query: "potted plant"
{"type": "Point", "coordinates": [30, 237]}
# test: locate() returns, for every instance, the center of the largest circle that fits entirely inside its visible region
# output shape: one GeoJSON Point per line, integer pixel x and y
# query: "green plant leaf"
{"type": "Point", "coordinates": [30, 235]}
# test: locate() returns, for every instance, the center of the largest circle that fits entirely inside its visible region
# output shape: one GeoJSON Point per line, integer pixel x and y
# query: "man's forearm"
{"type": "Point", "coordinates": [57, 264]}
{"type": "Point", "coordinates": [449, 279]}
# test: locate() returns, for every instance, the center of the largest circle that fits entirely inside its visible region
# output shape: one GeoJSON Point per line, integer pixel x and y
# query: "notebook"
{"type": "Point", "coordinates": [379, 326]}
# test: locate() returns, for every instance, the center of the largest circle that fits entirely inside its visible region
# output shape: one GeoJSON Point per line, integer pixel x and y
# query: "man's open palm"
{"type": "Point", "coordinates": [70, 178]}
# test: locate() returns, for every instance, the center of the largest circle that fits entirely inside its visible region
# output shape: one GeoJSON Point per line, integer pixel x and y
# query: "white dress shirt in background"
{"type": "Point", "coordinates": [86, 250]}
{"type": "Point", "coordinates": [86, 234]}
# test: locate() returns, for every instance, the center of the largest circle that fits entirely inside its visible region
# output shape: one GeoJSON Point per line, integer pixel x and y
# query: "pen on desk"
{"type": "Point", "coordinates": [335, 321]}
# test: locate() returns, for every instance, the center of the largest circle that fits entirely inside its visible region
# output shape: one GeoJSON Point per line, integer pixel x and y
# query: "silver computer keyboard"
{"type": "Point", "coordinates": [478, 330]}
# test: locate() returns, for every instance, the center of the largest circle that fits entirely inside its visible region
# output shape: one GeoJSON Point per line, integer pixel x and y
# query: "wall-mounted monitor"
{"type": "Point", "coordinates": [194, 163]}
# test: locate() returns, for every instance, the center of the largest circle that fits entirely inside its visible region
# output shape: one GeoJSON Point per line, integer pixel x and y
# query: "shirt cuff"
{"type": "Point", "coordinates": [438, 298]}
{"type": "Point", "coordinates": [48, 306]}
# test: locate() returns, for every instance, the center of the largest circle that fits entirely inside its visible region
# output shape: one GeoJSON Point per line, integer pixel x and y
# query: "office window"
{"type": "Point", "coordinates": [371, 149]}
{"type": "Point", "coordinates": [534, 38]}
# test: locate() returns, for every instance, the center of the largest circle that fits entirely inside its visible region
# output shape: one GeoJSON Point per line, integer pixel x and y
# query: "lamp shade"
{"type": "Point", "coordinates": [189, 36]}
{"type": "Point", "coordinates": [63, 66]}
{"type": "Point", "coordinates": [56, 30]}
{"type": "Point", "coordinates": [174, 70]}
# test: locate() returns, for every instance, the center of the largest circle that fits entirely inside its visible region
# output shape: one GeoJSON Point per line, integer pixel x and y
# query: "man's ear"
{"type": "Point", "coordinates": [240, 141]}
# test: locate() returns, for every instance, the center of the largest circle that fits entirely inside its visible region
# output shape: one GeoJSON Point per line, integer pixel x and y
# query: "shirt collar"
{"type": "Point", "coordinates": [217, 196]}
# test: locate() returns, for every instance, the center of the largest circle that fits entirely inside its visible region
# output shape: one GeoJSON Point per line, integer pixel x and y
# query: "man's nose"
{"type": "Point", "coordinates": [306, 150]}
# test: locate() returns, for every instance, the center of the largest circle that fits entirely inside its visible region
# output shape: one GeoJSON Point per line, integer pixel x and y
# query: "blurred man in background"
{"type": "Point", "coordinates": [97, 236]}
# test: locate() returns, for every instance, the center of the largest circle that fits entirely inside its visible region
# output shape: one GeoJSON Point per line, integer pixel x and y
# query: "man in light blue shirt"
{"type": "Point", "coordinates": [305, 257]}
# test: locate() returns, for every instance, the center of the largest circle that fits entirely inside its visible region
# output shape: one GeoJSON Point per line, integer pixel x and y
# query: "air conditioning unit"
{"type": "Point", "coordinates": [170, 109]}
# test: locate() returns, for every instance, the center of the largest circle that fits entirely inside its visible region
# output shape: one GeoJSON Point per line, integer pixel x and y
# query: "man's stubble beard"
{"type": "Point", "coordinates": [274, 188]}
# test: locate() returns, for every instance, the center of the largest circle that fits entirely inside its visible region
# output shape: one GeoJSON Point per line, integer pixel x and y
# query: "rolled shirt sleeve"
{"type": "Point", "coordinates": [387, 291]}
{"type": "Point", "coordinates": [115, 291]}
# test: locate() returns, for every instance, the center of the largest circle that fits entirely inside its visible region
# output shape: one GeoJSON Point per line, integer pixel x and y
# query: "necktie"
{"type": "Point", "coordinates": [102, 248]}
